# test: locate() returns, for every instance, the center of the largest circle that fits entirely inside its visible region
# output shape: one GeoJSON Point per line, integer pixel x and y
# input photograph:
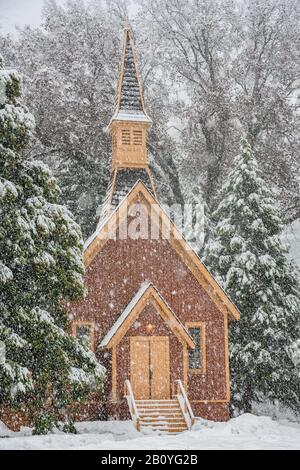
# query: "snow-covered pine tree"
{"type": "Point", "coordinates": [232, 79]}
{"type": "Point", "coordinates": [40, 267]}
{"type": "Point", "coordinates": [70, 67]}
{"type": "Point", "coordinates": [246, 255]}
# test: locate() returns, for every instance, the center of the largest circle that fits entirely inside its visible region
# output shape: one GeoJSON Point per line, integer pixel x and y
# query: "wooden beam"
{"type": "Point", "coordinates": [114, 375]}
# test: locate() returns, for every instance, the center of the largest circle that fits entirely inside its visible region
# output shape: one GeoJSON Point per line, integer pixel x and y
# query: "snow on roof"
{"type": "Point", "coordinates": [235, 314]}
{"type": "Point", "coordinates": [130, 102]}
{"type": "Point", "coordinates": [129, 116]}
{"type": "Point", "coordinates": [130, 96]}
{"type": "Point", "coordinates": [134, 301]}
{"type": "Point", "coordinates": [103, 220]}
{"type": "Point", "coordinates": [123, 115]}
{"type": "Point", "coordinates": [125, 314]}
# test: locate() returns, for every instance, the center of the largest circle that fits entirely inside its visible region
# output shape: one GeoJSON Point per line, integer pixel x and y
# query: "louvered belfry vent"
{"type": "Point", "coordinates": [125, 137]}
{"type": "Point", "coordinates": [130, 92]}
{"type": "Point", "coordinates": [137, 137]}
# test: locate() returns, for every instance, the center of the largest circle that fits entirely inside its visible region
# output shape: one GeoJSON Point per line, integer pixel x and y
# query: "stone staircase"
{"type": "Point", "coordinates": [163, 416]}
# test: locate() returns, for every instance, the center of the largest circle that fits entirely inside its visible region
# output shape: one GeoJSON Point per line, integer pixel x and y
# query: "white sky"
{"type": "Point", "coordinates": [22, 12]}
{"type": "Point", "coordinates": [19, 12]}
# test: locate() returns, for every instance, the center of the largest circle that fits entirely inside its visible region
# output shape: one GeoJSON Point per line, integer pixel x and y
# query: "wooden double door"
{"type": "Point", "coordinates": [150, 367]}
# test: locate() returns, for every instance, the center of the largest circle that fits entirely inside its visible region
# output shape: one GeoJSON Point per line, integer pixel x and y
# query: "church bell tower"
{"type": "Point", "coordinates": [128, 129]}
{"type": "Point", "coordinates": [130, 122]}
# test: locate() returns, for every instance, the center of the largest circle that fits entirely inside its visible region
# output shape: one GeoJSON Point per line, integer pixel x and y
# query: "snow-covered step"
{"type": "Point", "coordinates": [156, 411]}
{"type": "Point", "coordinates": [162, 416]}
{"type": "Point", "coordinates": [162, 430]}
{"type": "Point", "coordinates": [159, 415]}
{"type": "Point", "coordinates": [164, 426]}
{"type": "Point", "coordinates": [169, 416]}
{"type": "Point", "coordinates": [157, 407]}
{"type": "Point", "coordinates": [155, 402]}
{"type": "Point", "coordinates": [149, 419]}
{"type": "Point", "coordinates": [168, 405]}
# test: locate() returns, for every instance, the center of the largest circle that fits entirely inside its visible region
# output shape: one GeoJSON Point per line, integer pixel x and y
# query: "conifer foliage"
{"type": "Point", "coordinates": [40, 267]}
{"type": "Point", "coordinates": [248, 258]}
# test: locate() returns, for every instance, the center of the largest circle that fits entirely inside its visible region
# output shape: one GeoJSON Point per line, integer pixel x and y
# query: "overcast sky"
{"type": "Point", "coordinates": [20, 12]}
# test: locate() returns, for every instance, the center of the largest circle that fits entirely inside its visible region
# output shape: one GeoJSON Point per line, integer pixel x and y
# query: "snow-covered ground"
{"type": "Point", "coordinates": [245, 432]}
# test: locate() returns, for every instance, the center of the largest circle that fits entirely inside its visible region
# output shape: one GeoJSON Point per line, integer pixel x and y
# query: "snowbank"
{"type": "Point", "coordinates": [245, 432]}
{"type": "Point", "coordinates": [4, 431]}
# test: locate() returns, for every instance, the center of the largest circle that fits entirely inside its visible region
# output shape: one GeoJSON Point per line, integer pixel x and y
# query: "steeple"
{"type": "Point", "coordinates": [128, 129]}
{"type": "Point", "coordinates": [130, 97]}
{"type": "Point", "coordinates": [130, 122]}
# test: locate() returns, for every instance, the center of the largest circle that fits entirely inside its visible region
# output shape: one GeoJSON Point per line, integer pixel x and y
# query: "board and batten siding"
{"type": "Point", "coordinates": [113, 278]}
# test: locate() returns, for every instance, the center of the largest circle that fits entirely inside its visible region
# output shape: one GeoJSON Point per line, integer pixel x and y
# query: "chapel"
{"type": "Point", "coordinates": [153, 314]}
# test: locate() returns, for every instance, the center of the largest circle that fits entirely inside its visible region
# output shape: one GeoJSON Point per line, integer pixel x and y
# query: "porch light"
{"type": "Point", "coordinates": [149, 327]}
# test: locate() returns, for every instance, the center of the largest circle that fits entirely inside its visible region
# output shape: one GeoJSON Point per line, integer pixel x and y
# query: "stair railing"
{"type": "Point", "coordinates": [134, 413]}
{"type": "Point", "coordinates": [184, 404]}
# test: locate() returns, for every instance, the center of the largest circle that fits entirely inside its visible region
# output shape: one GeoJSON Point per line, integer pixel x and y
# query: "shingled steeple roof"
{"type": "Point", "coordinates": [128, 129]}
{"type": "Point", "coordinates": [129, 100]}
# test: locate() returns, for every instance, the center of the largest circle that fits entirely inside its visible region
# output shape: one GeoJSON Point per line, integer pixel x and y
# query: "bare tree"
{"type": "Point", "coordinates": [238, 64]}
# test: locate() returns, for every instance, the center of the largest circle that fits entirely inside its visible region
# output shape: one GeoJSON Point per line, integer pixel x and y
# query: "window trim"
{"type": "Point", "coordinates": [202, 326]}
{"type": "Point", "coordinates": [91, 325]}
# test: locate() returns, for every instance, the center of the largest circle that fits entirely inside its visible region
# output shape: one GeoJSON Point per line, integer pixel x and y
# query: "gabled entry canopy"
{"type": "Point", "coordinates": [146, 295]}
{"type": "Point", "coordinates": [141, 195]}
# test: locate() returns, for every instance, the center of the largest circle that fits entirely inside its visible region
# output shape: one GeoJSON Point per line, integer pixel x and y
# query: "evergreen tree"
{"type": "Point", "coordinates": [40, 267]}
{"type": "Point", "coordinates": [248, 258]}
{"type": "Point", "coordinates": [70, 68]}
{"type": "Point", "coordinates": [236, 65]}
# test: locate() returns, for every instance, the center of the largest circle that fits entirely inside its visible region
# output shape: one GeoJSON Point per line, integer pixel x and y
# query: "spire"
{"type": "Point", "coordinates": [130, 95]}
{"type": "Point", "coordinates": [128, 129]}
{"type": "Point", "coordinates": [129, 124]}
{"type": "Point", "coordinates": [130, 101]}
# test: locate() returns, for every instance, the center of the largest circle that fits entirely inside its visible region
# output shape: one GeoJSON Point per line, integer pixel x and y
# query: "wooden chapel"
{"type": "Point", "coordinates": [153, 314]}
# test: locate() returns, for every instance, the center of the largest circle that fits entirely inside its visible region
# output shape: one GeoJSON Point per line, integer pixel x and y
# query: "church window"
{"type": "Point", "coordinates": [197, 356]}
{"type": "Point", "coordinates": [84, 332]}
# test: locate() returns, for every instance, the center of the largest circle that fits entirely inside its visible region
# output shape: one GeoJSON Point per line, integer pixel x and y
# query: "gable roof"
{"type": "Point", "coordinates": [104, 219]}
{"type": "Point", "coordinates": [146, 294]}
{"type": "Point", "coordinates": [139, 193]}
{"type": "Point", "coordinates": [122, 182]}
